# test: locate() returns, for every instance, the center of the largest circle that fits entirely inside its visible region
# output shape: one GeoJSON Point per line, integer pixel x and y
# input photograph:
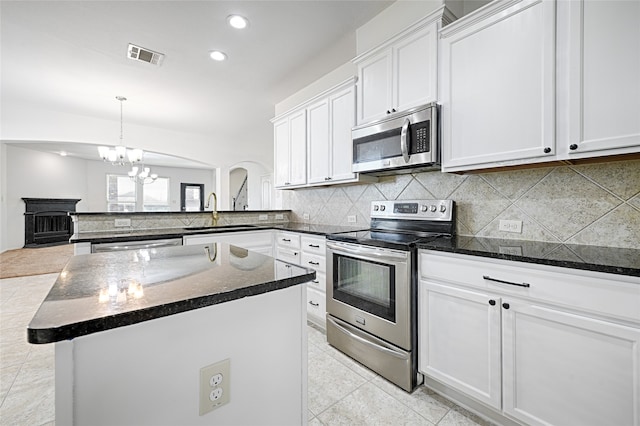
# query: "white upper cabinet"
{"type": "Point", "coordinates": [402, 72]}
{"type": "Point", "coordinates": [603, 77]}
{"type": "Point", "coordinates": [497, 90]}
{"type": "Point", "coordinates": [330, 152]}
{"type": "Point", "coordinates": [313, 141]}
{"type": "Point", "coordinates": [290, 140]}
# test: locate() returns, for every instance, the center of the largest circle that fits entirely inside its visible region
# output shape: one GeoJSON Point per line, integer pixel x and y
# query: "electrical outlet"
{"type": "Point", "coordinates": [305, 216]}
{"type": "Point", "coordinates": [215, 386]}
{"type": "Point", "coordinates": [122, 222]}
{"type": "Point", "coordinates": [510, 226]}
{"type": "Point", "coordinates": [263, 217]}
{"type": "Point", "coordinates": [351, 219]}
{"type": "Point", "coordinates": [279, 216]}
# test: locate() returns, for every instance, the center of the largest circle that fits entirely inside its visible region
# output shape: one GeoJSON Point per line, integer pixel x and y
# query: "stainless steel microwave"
{"type": "Point", "coordinates": [404, 141]}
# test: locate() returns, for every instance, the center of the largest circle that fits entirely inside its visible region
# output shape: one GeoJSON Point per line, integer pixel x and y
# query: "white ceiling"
{"type": "Point", "coordinates": [70, 56]}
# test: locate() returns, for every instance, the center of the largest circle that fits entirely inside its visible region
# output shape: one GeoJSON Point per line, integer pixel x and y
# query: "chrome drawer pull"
{"type": "Point", "coordinates": [488, 278]}
{"type": "Point", "coordinates": [314, 304]}
{"type": "Point", "coordinates": [314, 246]}
{"type": "Point", "coordinates": [286, 240]}
{"type": "Point", "coordinates": [314, 263]}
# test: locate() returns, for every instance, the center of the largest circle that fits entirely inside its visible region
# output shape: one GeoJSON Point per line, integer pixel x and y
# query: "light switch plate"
{"type": "Point", "coordinates": [215, 386]}
{"type": "Point", "coordinates": [279, 216]}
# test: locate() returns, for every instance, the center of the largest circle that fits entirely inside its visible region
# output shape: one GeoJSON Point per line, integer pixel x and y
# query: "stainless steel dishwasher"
{"type": "Point", "coordinates": [135, 245]}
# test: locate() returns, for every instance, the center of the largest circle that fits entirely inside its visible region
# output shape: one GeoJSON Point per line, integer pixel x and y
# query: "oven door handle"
{"type": "Point", "coordinates": [404, 143]}
{"type": "Point", "coordinates": [344, 328]}
{"type": "Point", "coordinates": [363, 251]}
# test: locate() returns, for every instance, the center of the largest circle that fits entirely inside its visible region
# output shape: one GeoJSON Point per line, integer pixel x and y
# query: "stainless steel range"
{"type": "Point", "coordinates": [372, 285]}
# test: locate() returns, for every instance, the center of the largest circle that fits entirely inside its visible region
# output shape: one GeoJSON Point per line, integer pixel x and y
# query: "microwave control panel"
{"type": "Point", "coordinates": [420, 137]}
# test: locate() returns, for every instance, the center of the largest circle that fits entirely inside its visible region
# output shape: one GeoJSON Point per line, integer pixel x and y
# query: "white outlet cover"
{"type": "Point", "coordinates": [351, 219]}
{"type": "Point", "coordinates": [305, 216]}
{"type": "Point", "coordinates": [263, 217]}
{"type": "Point", "coordinates": [215, 386]}
{"type": "Point", "coordinates": [510, 226]}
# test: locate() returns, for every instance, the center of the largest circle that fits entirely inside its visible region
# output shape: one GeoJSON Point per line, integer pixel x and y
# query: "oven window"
{"type": "Point", "coordinates": [366, 285]}
{"type": "Point", "coordinates": [377, 147]}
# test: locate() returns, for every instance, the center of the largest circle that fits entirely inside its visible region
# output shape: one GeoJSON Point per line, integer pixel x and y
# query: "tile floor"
{"type": "Point", "coordinates": [341, 391]}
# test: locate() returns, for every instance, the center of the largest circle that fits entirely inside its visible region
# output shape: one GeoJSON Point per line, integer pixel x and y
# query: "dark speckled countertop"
{"type": "Point", "coordinates": [592, 258]}
{"type": "Point", "coordinates": [102, 291]}
{"type": "Point", "coordinates": [164, 233]}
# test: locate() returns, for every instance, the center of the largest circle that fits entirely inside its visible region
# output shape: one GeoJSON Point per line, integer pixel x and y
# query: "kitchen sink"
{"type": "Point", "coordinates": [221, 228]}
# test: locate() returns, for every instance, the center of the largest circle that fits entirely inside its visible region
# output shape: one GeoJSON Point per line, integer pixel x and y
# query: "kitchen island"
{"type": "Point", "coordinates": [133, 329]}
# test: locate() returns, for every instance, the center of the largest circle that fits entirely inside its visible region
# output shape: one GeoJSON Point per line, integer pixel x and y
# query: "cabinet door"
{"type": "Point", "coordinates": [318, 140]}
{"type": "Point", "coordinates": [566, 369]}
{"type": "Point", "coordinates": [281, 156]}
{"type": "Point", "coordinates": [604, 78]}
{"type": "Point", "coordinates": [298, 147]}
{"type": "Point", "coordinates": [342, 121]}
{"type": "Point", "coordinates": [459, 340]}
{"type": "Point", "coordinates": [316, 307]}
{"type": "Point", "coordinates": [497, 93]}
{"type": "Point", "coordinates": [415, 69]}
{"type": "Point", "coordinates": [374, 87]}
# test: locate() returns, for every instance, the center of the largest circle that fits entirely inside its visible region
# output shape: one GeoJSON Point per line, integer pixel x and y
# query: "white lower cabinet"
{"type": "Point", "coordinates": [460, 340]}
{"type": "Point", "coordinates": [566, 369]}
{"type": "Point", "coordinates": [308, 251]}
{"type": "Point", "coordinates": [524, 357]}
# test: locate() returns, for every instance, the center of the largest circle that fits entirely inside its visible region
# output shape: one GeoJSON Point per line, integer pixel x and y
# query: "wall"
{"type": "Point", "coordinates": [596, 204]}
{"type": "Point", "coordinates": [36, 174]}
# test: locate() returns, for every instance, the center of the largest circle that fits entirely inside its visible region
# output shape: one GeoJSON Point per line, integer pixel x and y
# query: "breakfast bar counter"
{"type": "Point", "coordinates": [135, 330]}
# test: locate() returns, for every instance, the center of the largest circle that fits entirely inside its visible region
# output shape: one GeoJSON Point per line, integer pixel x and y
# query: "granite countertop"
{"type": "Point", "coordinates": [612, 260]}
{"type": "Point", "coordinates": [164, 233]}
{"type": "Point", "coordinates": [102, 291]}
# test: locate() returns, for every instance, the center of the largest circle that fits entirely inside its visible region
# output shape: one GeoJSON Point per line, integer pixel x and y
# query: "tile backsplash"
{"type": "Point", "coordinates": [592, 204]}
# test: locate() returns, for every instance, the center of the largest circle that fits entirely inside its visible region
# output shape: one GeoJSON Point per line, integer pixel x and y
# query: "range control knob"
{"type": "Point", "coordinates": [443, 208]}
{"type": "Point", "coordinates": [425, 207]}
{"type": "Point", "coordinates": [433, 208]}
{"type": "Point", "coordinates": [375, 208]}
{"type": "Point", "coordinates": [382, 207]}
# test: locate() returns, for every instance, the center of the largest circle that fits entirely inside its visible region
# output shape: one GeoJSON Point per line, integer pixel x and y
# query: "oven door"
{"type": "Point", "coordinates": [370, 288]}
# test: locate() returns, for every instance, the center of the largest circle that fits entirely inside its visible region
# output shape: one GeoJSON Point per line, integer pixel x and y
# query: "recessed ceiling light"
{"type": "Point", "coordinates": [217, 55]}
{"type": "Point", "coordinates": [237, 21]}
{"type": "Point", "coordinates": [63, 153]}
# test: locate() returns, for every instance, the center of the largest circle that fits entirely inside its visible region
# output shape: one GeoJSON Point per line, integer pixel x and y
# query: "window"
{"type": "Point", "coordinates": [155, 196]}
{"type": "Point", "coordinates": [121, 194]}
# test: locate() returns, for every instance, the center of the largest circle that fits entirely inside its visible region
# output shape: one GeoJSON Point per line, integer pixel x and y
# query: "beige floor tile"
{"type": "Point", "coordinates": [426, 403]}
{"type": "Point", "coordinates": [8, 374]}
{"type": "Point", "coordinates": [370, 405]}
{"type": "Point", "coordinates": [329, 381]}
{"type": "Point", "coordinates": [458, 416]}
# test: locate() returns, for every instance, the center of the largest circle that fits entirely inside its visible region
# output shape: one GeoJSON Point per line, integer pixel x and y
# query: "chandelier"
{"type": "Point", "coordinates": [120, 155]}
{"type": "Point", "coordinates": [142, 175]}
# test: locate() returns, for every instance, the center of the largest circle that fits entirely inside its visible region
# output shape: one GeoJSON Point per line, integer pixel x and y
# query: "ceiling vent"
{"type": "Point", "coordinates": [142, 54]}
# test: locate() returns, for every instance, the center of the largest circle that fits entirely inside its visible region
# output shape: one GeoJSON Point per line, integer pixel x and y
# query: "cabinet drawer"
{"type": "Point", "coordinates": [616, 296]}
{"type": "Point", "coordinates": [287, 239]}
{"type": "Point", "coordinates": [320, 283]}
{"type": "Point", "coordinates": [316, 306]}
{"type": "Point", "coordinates": [316, 245]}
{"type": "Point", "coordinates": [288, 255]}
{"type": "Point", "coordinates": [314, 261]}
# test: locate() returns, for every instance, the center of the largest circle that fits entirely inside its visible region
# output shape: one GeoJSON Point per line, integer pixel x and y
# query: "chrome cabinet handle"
{"type": "Point", "coordinates": [314, 246]}
{"type": "Point", "coordinates": [286, 240]}
{"type": "Point", "coordinates": [314, 304]}
{"type": "Point", "coordinates": [404, 145]}
{"type": "Point", "coordinates": [488, 278]}
{"type": "Point", "coordinates": [314, 263]}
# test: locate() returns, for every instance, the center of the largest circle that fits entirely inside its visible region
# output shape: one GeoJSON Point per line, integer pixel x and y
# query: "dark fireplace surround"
{"type": "Point", "coordinates": [47, 221]}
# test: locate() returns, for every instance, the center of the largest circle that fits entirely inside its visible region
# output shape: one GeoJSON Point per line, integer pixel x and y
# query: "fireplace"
{"type": "Point", "coordinates": [47, 221]}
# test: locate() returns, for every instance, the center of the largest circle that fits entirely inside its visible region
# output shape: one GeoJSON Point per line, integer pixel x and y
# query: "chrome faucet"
{"type": "Point", "coordinates": [214, 213]}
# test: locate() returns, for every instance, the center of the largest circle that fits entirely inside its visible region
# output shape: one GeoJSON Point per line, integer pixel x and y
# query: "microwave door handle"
{"type": "Point", "coordinates": [404, 143]}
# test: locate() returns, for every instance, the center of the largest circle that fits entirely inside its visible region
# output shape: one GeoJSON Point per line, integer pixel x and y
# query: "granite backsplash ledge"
{"type": "Point", "coordinates": [591, 204]}
{"type": "Point", "coordinates": [97, 222]}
